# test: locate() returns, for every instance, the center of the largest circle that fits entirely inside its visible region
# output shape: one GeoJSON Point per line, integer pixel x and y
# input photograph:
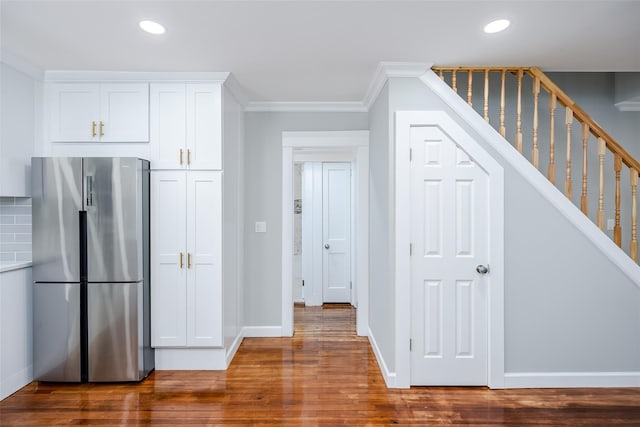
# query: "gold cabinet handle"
{"type": "Point", "coordinates": [188, 259]}
{"type": "Point", "coordinates": [181, 156]}
{"type": "Point", "coordinates": [101, 128]}
{"type": "Point", "coordinates": [93, 129]}
{"type": "Point", "coordinates": [188, 157]}
{"type": "Point", "coordinates": [181, 260]}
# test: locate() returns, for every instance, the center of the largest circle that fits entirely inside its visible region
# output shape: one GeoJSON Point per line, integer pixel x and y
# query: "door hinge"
{"type": "Point", "coordinates": [410, 249]}
{"type": "Point", "coordinates": [350, 285]}
{"type": "Point", "coordinates": [410, 154]}
{"type": "Point", "coordinates": [410, 344]}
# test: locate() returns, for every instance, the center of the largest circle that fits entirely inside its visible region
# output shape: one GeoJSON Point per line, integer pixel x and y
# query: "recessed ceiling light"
{"type": "Point", "coordinates": [496, 26]}
{"type": "Point", "coordinates": [152, 27]}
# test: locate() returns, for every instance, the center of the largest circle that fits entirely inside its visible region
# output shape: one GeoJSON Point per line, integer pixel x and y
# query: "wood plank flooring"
{"type": "Point", "coordinates": [323, 376]}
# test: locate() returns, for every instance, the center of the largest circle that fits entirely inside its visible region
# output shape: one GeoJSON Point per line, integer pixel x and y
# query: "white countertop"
{"type": "Point", "coordinates": [6, 266]}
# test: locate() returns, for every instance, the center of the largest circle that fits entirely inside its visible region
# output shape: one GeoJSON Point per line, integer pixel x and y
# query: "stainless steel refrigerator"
{"type": "Point", "coordinates": [91, 306]}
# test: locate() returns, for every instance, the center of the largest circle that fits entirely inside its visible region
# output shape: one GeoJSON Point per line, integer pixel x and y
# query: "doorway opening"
{"type": "Point", "coordinates": [351, 150]}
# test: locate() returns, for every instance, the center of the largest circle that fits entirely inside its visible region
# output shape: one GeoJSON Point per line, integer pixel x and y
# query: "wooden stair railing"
{"type": "Point", "coordinates": [606, 147]}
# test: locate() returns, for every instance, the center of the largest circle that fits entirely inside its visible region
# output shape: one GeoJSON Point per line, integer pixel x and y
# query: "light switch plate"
{"type": "Point", "coordinates": [261, 227]}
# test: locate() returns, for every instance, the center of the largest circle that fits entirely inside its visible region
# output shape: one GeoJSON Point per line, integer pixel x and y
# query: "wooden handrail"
{"type": "Point", "coordinates": [583, 117]}
{"type": "Point", "coordinates": [590, 130]}
{"type": "Point", "coordinates": [563, 99]}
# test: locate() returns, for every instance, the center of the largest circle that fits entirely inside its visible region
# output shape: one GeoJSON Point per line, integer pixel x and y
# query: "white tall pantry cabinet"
{"type": "Point", "coordinates": [186, 225]}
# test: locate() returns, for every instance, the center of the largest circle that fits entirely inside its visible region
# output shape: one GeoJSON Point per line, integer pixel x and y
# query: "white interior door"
{"type": "Point", "coordinates": [449, 229]}
{"type": "Point", "coordinates": [336, 232]}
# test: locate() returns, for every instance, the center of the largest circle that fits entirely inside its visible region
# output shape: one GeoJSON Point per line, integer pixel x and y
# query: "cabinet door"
{"type": "Point", "coordinates": [204, 126]}
{"type": "Point", "coordinates": [204, 246]}
{"type": "Point", "coordinates": [168, 125]}
{"type": "Point", "coordinates": [74, 108]}
{"type": "Point", "coordinates": [124, 112]}
{"type": "Point", "coordinates": [168, 276]}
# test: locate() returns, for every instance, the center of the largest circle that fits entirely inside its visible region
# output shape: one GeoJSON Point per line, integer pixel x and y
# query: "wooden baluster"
{"type": "Point", "coordinates": [633, 250]}
{"type": "Point", "coordinates": [552, 138]}
{"type": "Point", "coordinates": [503, 130]}
{"type": "Point", "coordinates": [441, 74]}
{"type": "Point", "coordinates": [519, 114]}
{"type": "Point", "coordinates": [535, 154]}
{"type": "Point", "coordinates": [601, 151]}
{"type": "Point", "coordinates": [568, 187]}
{"type": "Point", "coordinates": [454, 81]}
{"type": "Point", "coordinates": [617, 229]}
{"type": "Point", "coordinates": [486, 96]}
{"type": "Point", "coordinates": [470, 88]}
{"type": "Point", "coordinates": [584, 202]}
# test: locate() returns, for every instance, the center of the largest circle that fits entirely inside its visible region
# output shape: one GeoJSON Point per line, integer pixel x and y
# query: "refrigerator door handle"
{"type": "Point", "coordinates": [89, 190]}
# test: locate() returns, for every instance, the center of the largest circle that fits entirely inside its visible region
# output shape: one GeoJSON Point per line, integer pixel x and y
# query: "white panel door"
{"type": "Point", "coordinates": [168, 125]}
{"type": "Point", "coordinates": [124, 112]}
{"type": "Point", "coordinates": [449, 229]}
{"type": "Point", "coordinates": [204, 126]}
{"type": "Point", "coordinates": [74, 110]}
{"type": "Point", "coordinates": [168, 252]}
{"type": "Point", "coordinates": [204, 258]}
{"type": "Point", "coordinates": [336, 232]}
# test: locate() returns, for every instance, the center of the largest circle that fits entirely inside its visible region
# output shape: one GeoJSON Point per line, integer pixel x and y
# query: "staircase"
{"type": "Point", "coordinates": [511, 100]}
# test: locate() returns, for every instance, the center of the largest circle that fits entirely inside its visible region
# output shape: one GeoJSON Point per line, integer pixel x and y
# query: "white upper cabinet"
{"type": "Point", "coordinates": [107, 112]}
{"type": "Point", "coordinates": [186, 125]}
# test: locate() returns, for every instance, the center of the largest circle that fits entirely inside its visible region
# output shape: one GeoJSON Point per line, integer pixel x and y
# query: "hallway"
{"type": "Point", "coordinates": [324, 375]}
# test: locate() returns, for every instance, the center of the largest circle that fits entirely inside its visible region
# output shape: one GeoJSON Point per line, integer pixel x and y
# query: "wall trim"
{"type": "Point", "coordinates": [19, 64]}
{"type": "Point", "coordinates": [386, 70]}
{"type": "Point", "coordinates": [233, 348]}
{"type": "Point", "coordinates": [15, 382]}
{"type": "Point", "coordinates": [154, 76]}
{"type": "Point", "coordinates": [633, 105]}
{"type": "Point", "coordinates": [534, 177]}
{"type": "Point", "coordinates": [389, 377]}
{"type": "Point", "coordinates": [261, 331]}
{"type": "Point", "coordinates": [305, 107]}
{"type": "Point", "coordinates": [571, 379]}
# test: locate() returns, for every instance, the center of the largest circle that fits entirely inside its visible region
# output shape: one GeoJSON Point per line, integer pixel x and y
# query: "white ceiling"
{"type": "Point", "coordinates": [328, 50]}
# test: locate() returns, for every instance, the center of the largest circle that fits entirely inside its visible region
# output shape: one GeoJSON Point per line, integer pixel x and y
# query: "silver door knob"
{"type": "Point", "coordinates": [326, 246]}
{"type": "Point", "coordinates": [482, 269]}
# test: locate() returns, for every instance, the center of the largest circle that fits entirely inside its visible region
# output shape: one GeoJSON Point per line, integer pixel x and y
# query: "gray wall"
{"type": "Point", "coordinates": [567, 307]}
{"type": "Point", "coordinates": [263, 200]}
{"type": "Point", "coordinates": [381, 254]}
{"type": "Point", "coordinates": [627, 87]}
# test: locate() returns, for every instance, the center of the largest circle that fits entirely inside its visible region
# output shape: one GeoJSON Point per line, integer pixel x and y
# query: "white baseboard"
{"type": "Point", "coordinates": [262, 331]}
{"type": "Point", "coordinates": [389, 377]}
{"type": "Point", "coordinates": [233, 348]}
{"type": "Point", "coordinates": [571, 379]}
{"type": "Point", "coordinates": [15, 382]}
{"type": "Point", "coordinates": [190, 359]}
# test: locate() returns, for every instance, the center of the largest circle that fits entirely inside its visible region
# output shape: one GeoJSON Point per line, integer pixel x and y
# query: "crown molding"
{"type": "Point", "coordinates": [97, 76]}
{"type": "Point", "coordinates": [236, 90]}
{"type": "Point", "coordinates": [386, 70]}
{"type": "Point", "coordinates": [21, 65]}
{"type": "Point", "coordinates": [630, 105]}
{"type": "Point", "coordinates": [306, 107]}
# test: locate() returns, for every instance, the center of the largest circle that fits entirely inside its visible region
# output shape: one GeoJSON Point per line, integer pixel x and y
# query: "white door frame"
{"type": "Point", "coordinates": [405, 120]}
{"type": "Point", "coordinates": [307, 143]}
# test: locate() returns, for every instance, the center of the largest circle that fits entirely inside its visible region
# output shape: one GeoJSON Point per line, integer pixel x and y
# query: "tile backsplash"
{"type": "Point", "coordinates": [15, 229]}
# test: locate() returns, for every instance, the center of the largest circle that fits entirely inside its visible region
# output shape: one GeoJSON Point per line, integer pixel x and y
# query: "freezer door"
{"type": "Point", "coordinates": [115, 331]}
{"type": "Point", "coordinates": [56, 185]}
{"type": "Point", "coordinates": [114, 219]}
{"type": "Point", "coordinates": [56, 332]}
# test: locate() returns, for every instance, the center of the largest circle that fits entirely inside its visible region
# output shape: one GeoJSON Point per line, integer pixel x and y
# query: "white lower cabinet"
{"type": "Point", "coordinates": [186, 259]}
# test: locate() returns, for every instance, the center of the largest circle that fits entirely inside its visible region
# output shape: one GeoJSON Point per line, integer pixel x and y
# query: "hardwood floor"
{"type": "Point", "coordinates": [323, 376]}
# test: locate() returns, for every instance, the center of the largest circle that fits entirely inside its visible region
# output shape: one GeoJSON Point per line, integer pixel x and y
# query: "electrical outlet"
{"type": "Point", "coordinates": [261, 227]}
{"type": "Point", "coordinates": [610, 224]}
